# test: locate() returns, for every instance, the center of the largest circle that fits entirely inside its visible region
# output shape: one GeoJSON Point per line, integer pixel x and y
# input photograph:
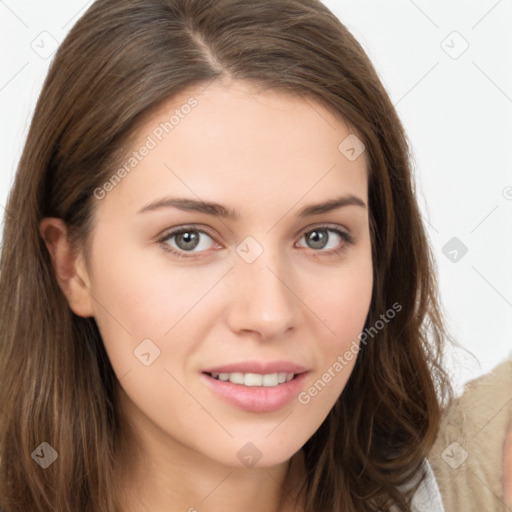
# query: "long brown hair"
{"type": "Point", "coordinates": [120, 60]}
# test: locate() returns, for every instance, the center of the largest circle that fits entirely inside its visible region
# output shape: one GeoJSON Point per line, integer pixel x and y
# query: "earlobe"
{"type": "Point", "coordinates": [69, 268]}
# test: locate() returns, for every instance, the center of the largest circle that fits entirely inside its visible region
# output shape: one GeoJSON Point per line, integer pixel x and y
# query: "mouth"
{"type": "Point", "coordinates": [255, 392]}
{"type": "Point", "coordinates": [254, 379]}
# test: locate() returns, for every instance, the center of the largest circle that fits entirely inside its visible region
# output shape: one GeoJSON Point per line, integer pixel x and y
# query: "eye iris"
{"type": "Point", "coordinates": [318, 236]}
{"type": "Point", "coordinates": [190, 239]}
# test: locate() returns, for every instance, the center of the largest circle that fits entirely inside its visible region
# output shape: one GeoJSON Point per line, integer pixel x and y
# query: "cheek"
{"type": "Point", "coordinates": [342, 299]}
{"type": "Point", "coordinates": [342, 303]}
{"type": "Point", "coordinates": [152, 319]}
{"type": "Point", "coordinates": [345, 305]}
{"type": "Point", "coordinates": [138, 296]}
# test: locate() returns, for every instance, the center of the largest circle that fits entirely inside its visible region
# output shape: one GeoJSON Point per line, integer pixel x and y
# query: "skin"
{"type": "Point", "coordinates": [266, 154]}
{"type": "Point", "coordinates": [507, 468]}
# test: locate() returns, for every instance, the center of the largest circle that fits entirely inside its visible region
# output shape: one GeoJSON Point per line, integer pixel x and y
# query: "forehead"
{"type": "Point", "coordinates": [237, 144]}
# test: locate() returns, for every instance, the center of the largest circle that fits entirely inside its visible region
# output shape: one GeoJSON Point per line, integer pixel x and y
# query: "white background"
{"type": "Point", "coordinates": [456, 108]}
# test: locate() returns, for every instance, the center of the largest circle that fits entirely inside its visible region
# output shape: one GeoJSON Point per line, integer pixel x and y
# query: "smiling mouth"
{"type": "Point", "coordinates": [256, 392]}
{"type": "Point", "coordinates": [254, 379]}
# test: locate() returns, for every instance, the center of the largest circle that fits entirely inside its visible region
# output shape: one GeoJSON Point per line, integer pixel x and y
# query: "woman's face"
{"type": "Point", "coordinates": [272, 287]}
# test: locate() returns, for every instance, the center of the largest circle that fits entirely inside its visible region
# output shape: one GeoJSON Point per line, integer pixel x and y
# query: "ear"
{"type": "Point", "coordinates": [70, 269]}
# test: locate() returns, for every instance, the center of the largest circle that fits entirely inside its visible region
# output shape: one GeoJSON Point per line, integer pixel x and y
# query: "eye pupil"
{"type": "Point", "coordinates": [318, 237]}
{"type": "Point", "coordinates": [190, 239]}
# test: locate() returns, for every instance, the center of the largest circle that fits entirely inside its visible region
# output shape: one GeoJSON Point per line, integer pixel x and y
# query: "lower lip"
{"type": "Point", "coordinates": [257, 398]}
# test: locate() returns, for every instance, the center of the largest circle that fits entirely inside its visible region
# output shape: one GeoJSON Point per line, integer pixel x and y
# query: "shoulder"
{"type": "Point", "coordinates": [467, 456]}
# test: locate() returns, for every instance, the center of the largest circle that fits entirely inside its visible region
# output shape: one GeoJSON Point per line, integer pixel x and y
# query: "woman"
{"type": "Point", "coordinates": [217, 291]}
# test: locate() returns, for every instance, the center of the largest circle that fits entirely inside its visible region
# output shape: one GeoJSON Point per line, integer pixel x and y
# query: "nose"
{"type": "Point", "coordinates": [262, 298]}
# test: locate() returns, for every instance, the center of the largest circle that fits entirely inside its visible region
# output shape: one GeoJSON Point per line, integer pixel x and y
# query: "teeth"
{"type": "Point", "coordinates": [255, 379]}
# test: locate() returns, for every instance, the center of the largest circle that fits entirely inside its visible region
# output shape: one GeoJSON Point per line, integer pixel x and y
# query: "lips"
{"type": "Point", "coordinates": [258, 399]}
{"type": "Point", "coordinates": [255, 388]}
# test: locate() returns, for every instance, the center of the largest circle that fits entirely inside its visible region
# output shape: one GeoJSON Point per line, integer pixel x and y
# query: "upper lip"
{"type": "Point", "coordinates": [261, 367]}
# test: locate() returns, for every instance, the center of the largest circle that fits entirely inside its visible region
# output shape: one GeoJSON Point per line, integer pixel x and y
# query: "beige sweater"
{"type": "Point", "coordinates": [467, 457]}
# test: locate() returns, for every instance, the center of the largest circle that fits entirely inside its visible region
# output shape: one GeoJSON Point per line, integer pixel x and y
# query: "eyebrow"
{"type": "Point", "coordinates": [218, 210]}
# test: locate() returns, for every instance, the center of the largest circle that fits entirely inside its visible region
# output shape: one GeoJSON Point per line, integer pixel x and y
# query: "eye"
{"type": "Point", "coordinates": [319, 239]}
{"type": "Point", "coordinates": [186, 239]}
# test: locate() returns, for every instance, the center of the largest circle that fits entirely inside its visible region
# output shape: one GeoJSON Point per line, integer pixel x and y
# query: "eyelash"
{"type": "Point", "coordinates": [348, 240]}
